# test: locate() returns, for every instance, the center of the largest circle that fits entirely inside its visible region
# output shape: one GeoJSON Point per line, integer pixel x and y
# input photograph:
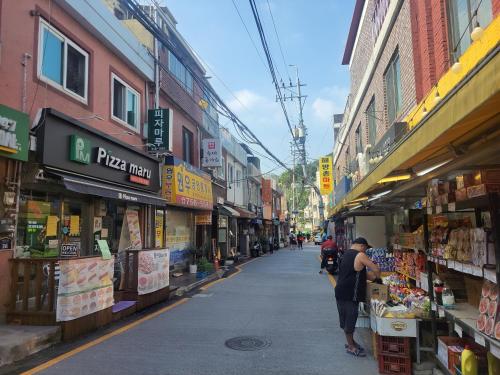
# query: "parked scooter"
{"type": "Point", "coordinates": [256, 249]}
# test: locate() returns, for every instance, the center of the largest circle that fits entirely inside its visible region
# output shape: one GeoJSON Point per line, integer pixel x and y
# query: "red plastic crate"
{"type": "Point", "coordinates": [393, 345]}
{"type": "Point", "coordinates": [390, 364]}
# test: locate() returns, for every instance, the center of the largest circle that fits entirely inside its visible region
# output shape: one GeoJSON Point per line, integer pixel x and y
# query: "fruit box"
{"type": "Point", "coordinates": [377, 291]}
{"type": "Point", "coordinates": [397, 327]}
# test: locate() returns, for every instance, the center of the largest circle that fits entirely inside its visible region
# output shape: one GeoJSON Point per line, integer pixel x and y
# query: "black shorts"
{"type": "Point", "coordinates": [348, 315]}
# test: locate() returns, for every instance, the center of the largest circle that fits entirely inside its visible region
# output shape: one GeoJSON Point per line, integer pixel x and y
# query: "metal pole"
{"type": "Point", "coordinates": [429, 279]}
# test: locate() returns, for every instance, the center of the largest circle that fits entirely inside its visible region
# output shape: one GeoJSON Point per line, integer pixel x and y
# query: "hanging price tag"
{"type": "Point", "coordinates": [429, 210]}
{"type": "Point", "coordinates": [458, 330]}
{"type": "Point", "coordinates": [433, 306]}
{"type": "Point", "coordinates": [490, 275]}
{"type": "Point", "coordinates": [477, 271]}
{"type": "Point", "coordinates": [478, 338]}
{"type": "Point", "coordinates": [439, 209]}
{"type": "Point", "coordinates": [495, 350]}
{"type": "Point", "coordinates": [451, 208]}
{"type": "Point", "coordinates": [467, 268]}
{"type": "Point", "coordinates": [441, 313]}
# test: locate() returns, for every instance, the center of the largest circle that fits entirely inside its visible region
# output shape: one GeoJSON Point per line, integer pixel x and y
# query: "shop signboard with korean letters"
{"type": "Point", "coordinates": [212, 153]}
{"type": "Point", "coordinates": [14, 133]}
{"type": "Point", "coordinates": [325, 175]}
{"type": "Point", "coordinates": [160, 129]}
{"type": "Point", "coordinates": [65, 145]}
{"type": "Point", "coordinates": [186, 186]}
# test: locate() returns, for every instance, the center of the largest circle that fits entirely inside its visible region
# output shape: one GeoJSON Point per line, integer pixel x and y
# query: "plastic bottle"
{"type": "Point", "coordinates": [493, 364]}
{"type": "Point", "coordinates": [448, 298]}
{"type": "Point", "coordinates": [469, 362]}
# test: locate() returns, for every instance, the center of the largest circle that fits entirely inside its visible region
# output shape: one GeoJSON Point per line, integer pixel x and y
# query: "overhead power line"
{"type": "Point", "coordinates": [146, 20]}
{"type": "Point", "coordinates": [272, 69]}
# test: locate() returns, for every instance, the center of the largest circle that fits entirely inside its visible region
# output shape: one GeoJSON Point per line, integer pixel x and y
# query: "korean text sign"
{"type": "Point", "coordinates": [212, 153]}
{"type": "Point", "coordinates": [159, 129]}
{"type": "Point", "coordinates": [325, 175]}
{"type": "Point", "coordinates": [187, 187]}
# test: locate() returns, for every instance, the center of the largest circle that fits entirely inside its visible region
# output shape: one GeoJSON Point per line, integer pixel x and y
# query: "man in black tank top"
{"type": "Point", "coordinates": [351, 289]}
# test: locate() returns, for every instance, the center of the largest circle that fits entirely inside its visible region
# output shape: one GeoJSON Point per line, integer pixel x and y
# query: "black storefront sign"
{"type": "Point", "coordinates": [111, 161]}
{"type": "Point", "coordinates": [159, 129]}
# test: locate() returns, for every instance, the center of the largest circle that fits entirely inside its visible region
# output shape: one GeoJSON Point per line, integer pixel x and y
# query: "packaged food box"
{"type": "Point", "coordinates": [461, 194]}
{"type": "Point", "coordinates": [481, 190]}
{"type": "Point", "coordinates": [487, 176]}
{"type": "Point", "coordinates": [464, 181]}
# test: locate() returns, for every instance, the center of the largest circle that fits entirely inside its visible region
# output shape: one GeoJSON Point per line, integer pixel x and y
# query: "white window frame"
{"type": "Point", "coordinates": [127, 87]}
{"type": "Point", "coordinates": [44, 25]}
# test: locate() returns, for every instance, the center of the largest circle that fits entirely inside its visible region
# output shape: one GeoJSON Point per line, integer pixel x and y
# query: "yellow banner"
{"type": "Point", "coordinates": [325, 175]}
{"type": "Point", "coordinates": [182, 187]}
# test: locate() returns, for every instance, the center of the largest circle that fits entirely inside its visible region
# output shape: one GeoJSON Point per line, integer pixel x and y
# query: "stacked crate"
{"type": "Point", "coordinates": [394, 356]}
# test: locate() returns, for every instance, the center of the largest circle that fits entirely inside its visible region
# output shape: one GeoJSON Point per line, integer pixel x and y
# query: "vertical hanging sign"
{"type": "Point", "coordinates": [159, 129]}
{"type": "Point", "coordinates": [325, 175]}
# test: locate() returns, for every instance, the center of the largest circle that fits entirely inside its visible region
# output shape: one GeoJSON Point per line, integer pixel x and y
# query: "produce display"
{"type": "Point", "coordinates": [488, 321]}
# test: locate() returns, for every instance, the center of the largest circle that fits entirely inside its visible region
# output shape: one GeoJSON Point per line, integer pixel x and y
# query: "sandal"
{"type": "Point", "coordinates": [360, 348]}
{"type": "Point", "coordinates": [356, 352]}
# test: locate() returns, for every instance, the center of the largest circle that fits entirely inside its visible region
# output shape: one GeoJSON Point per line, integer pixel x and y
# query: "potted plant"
{"type": "Point", "coordinates": [194, 254]}
{"type": "Point", "coordinates": [204, 268]}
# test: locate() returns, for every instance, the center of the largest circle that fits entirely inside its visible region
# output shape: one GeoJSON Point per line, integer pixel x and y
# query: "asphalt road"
{"type": "Point", "coordinates": [281, 299]}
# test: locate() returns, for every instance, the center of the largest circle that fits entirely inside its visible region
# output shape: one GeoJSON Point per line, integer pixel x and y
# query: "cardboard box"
{"type": "Point", "coordinates": [397, 327]}
{"type": "Point", "coordinates": [377, 291]}
{"type": "Point", "coordinates": [461, 194]}
{"type": "Point", "coordinates": [464, 181]}
{"type": "Point", "coordinates": [481, 190]}
{"type": "Point", "coordinates": [487, 176]}
{"type": "Point", "coordinates": [443, 343]}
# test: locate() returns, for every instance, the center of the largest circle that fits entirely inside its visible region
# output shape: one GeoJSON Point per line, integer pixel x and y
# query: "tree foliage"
{"type": "Point", "coordinates": [301, 188]}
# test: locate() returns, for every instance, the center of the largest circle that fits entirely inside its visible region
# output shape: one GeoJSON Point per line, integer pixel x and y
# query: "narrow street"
{"type": "Point", "coordinates": [279, 298]}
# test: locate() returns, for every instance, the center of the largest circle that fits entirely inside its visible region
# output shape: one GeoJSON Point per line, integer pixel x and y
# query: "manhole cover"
{"type": "Point", "coordinates": [248, 343]}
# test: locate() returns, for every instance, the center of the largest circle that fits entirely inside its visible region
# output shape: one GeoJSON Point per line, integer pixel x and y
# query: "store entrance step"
{"type": "Point", "coordinates": [123, 308]}
{"type": "Point", "coordinates": [18, 341]}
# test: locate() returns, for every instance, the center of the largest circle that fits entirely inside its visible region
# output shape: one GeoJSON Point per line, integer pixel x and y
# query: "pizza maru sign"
{"type": "Point", "coordinates": [138, 173]}
{"type": "Point", "coordinates": [80, 152]}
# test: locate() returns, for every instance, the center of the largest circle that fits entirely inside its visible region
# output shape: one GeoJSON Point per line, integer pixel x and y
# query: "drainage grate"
{"type": "Point", "coordinates": [248, 343]}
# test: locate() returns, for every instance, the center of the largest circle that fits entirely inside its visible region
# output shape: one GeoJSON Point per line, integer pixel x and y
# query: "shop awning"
{"type": "Point", "coordinates": [470, 111]}
{"type": "Point", "coordinates": [245, 214]}
{"type": "Point", "coordinates": [90, 187]}
{"type": "Point", "coordinates": [228, 211]}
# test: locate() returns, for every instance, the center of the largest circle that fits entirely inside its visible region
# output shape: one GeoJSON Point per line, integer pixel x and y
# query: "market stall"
{"type": "Point", "coordinates": [83, 194]}
{"type": "Point", "coordinates": [444, 254]}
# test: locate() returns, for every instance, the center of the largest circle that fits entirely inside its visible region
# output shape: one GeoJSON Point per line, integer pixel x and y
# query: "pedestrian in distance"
{"type": "Point", "coordinates": [351, 290]}
{"type": "Point", "coordinates": [271, 244]}
{"type": "Point", "coordinates": [300, 239]}
{"type": "Point", "coordinates": [328, 246]}
{"type": "Point", "coordinates": [293, 241]}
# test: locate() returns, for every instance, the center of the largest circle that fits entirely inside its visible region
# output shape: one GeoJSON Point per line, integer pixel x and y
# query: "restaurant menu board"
{"type": "Point", "coordinates": [153, 273]}
{"type": "Point", "coordinates": [134, 229]}
{"type": "Point", "coordinates": [85, 286]}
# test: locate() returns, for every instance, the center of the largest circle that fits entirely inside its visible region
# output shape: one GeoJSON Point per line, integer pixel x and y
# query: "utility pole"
{"type": "Point", "coordinates": [300, 134]}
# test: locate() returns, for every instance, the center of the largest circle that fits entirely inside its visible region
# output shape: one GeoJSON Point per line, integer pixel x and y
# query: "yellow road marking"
{"type": "Point", "coordinates": [101, 339]}
{"type": "Point", "coordinates": [238, 270]}
{"type": "Point", "coordinates": [330, 277]}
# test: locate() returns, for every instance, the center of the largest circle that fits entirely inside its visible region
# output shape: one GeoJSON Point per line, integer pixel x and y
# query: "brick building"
{"type": "Point", "coordinates": [396, 51]}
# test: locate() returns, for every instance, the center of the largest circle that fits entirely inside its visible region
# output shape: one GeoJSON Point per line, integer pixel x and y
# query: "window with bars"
{"type": "Point", "coordinates": [187, 146]}
{"type": "Point", "coordinates": [462, 20]}
{"type": "Point", "coordinates": [371, 120]}
{"type": "Point", "coordinates": [392, 80]}
{"type": "Point", "coordinates": [180, 72]}
{"type": "Point", "coordinates": [359, 140]}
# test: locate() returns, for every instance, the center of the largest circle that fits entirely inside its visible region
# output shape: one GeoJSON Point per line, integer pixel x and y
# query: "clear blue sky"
{"type": "Point", "coordinates": [312, 35]}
